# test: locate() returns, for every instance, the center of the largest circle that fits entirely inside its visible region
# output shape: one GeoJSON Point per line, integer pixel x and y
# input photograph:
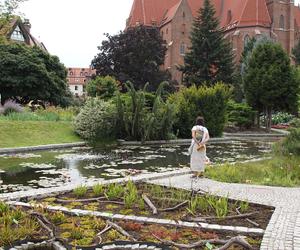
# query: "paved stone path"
{"type": "Point", "coordinates": [283, 231]}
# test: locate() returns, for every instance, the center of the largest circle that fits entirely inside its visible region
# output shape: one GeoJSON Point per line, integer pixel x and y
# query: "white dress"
{"type": "Point", "coordinates": [198, 158]}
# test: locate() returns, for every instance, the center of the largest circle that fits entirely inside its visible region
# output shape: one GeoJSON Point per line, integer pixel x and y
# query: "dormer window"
{"type": "Point", "coordinates": [17, 35]}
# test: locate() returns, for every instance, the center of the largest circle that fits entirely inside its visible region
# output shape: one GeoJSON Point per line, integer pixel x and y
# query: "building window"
{"type": "Point", "coordinates": [17, 35]}
{"type": "Point", "coordinates": [183, 14]}
{"type": "Point", "coordinates": [246, 40]}
{"type": "Point", "coordinates": [281, 22]}
{"type": "Point", "coordinates": [71, 73]}
{"type": "Point", "coordinates": [76, 87]}
{"type": "Point", "coordinates": [167, 31]}
{"type": "Point", "coordinates": [182, 49]}
{"type": "Point", "coordinates": [162, 34]}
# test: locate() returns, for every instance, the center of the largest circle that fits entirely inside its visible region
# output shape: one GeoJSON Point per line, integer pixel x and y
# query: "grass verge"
{"type": "Point", "coordinates": [281, 171]}
{"type": "Point", "coordinates": [33, 133]}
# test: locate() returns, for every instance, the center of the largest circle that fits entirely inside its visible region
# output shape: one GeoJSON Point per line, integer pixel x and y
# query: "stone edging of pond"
{"type": "Point", "coordinates": [40, 147]}
{"type": "Point", "coordinates": [227, 137]}
{"type": "Point", "coordinates": [140, 219]}
{"type": "Point", "coordinates": [44, 192]}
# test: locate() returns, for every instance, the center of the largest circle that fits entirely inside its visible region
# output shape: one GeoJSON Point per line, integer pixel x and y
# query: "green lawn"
{"type": "Point", "coordinates": [279, 171]}
{"type": "Point", "coordinates": [32, 133]}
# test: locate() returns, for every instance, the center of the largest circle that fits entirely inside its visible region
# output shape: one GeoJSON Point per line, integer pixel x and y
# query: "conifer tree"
{"type": "Point", "coordinates": [210, 58]}
{"type": "Point", "coordinates": [296, 53]}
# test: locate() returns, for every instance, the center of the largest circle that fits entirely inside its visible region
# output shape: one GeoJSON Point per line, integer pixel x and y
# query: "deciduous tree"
{"type": "Point", "coordinates": [270, 83]}
{"type": "Point", "coordinates": [30, 74]}
{"type": "Point", "coordinates": [133, 55]}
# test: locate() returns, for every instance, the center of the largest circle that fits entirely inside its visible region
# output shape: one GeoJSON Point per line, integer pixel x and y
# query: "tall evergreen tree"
{"type": "Point", "coordinates": [210, 58]}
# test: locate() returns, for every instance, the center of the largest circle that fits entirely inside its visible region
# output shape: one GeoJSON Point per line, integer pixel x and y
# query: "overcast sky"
{"type": "Point", "coordinates": [72, 29]}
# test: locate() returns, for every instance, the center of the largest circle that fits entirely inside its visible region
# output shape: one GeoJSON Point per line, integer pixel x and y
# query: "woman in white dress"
{"type": "Point", "coordinates": [200, 137]}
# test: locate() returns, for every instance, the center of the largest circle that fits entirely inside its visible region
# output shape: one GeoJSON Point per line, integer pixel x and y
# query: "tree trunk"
{"type": "Point", "coordinates": [257, 122]}
{"type": "Point", "coordinates": [269, 119]}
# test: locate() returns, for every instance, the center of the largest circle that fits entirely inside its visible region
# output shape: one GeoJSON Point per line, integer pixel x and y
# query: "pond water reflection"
{"type": "Point", "coordinates": [57, 167]}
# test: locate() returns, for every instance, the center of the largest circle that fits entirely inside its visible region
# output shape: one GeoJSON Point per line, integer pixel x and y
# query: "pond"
{"type": "Point", "coordinates": [58, 167]}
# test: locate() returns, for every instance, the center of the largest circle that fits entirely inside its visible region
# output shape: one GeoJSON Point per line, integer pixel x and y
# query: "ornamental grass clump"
{"type": "Point", "coordinates": [114, 191]}
{"type": "Point", "coordinates": [80, 191]}
{"type": "Point", "coordinates": [98, 189]}
{"type": "Point", "coordinates": [12, 107]}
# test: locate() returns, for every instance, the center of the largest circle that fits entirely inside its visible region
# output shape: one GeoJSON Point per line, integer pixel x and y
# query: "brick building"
{"type": "Point", "coordinates": [241, 20]}
{"type": "Point", "coordinates": [77, 79]}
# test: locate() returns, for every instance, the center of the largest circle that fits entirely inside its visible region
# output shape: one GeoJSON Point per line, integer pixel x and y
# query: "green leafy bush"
{"type": "Point", "coordinates": [295, 123]}
{"type": "Point", "coordinates": [281, 117]}
{"type": "Point", "coordinates": [96, 120]}
{"type": "Point", "coordinates": [290, 144]}
{"type": "Point", "coordinates": [103, 87]}
{"type": "Point", "coordinates": [209, 102]}
{"type": "Point", "coordinates": [240, 114]}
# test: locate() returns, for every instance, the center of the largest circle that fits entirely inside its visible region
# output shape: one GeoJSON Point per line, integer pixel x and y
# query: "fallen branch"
{"type": "Point", "coordinates": [120, 230]}
{"type": "Point", "coordinates": [227, 243]}
{"type": "Point", "coordinates": [82, 200]}
{"type": "Point", "coordinates": [203, 219]}
{"type": "Point", "coordinates": [247, 219]}
{"type": "Point", "coordinates": [150, 204]}
{"type": "Point", "coordinates": [236, 240]}
{"type": "Point", "coordinates": [37, 216]}
{"type": "Point", "coordinates": [113, 202]}
{"type": "Point", "coordinates": [107, 228]}
{"type": "Point", "coordinates": [174, 208]}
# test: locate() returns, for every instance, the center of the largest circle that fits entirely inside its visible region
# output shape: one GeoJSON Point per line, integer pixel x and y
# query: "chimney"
{"type": "Point", "coordinates": [27, 25]}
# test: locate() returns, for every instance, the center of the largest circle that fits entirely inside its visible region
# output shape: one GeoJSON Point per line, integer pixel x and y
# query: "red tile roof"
{"type": "Point", "coordinates": [232, 13]}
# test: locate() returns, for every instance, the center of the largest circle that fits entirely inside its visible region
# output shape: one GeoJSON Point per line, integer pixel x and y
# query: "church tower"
{"type": "Point", "coordinates": [283, 26]}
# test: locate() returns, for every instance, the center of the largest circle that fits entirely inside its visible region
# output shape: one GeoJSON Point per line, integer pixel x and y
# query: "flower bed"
{"type": "Point", "coordinates": [168, 203]}
{"type": "Point", "coordinates": [135, 216]}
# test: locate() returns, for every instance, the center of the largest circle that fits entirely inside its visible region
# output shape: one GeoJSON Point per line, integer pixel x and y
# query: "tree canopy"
{"type": "Point", "coordinates": [270, 83]}
{"type": "Point", "coordinates": [103, 87]}
{"type": "Point", "coordinates": [296, 53]}
{"type": "Point", "coordinates": [134, 55]}
{"type": "Point", "coordinates": [32, 74]}
{"type": "Point", "coordinates": [210, 58]}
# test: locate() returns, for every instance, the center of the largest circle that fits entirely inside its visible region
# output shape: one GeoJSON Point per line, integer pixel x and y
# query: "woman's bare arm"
{"type": "Point", "coordinates": [205, 137]}
{"type": "Point", "coordinates": [195, 137]}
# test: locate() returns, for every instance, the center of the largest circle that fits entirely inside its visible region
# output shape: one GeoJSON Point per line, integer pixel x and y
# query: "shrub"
{"type": "Point", "coordinates": [209, 102]}
{"type": "Point", "coordinates": [290, 144]}
{"type": "Point", "coordinates": [96, 120]}
{"type": "Point", "coordinates": [240, 114]}
{"type": "Point", "coordinates": [142, 116]}
{"type": "Point", "coordinates": [11, 107]}
{"type": "Point", "coordinates": [281, 117]}
{"type": "Point", "coordinates": [103, 87]}
{"type": "Point", "coordinates": [295, 123]}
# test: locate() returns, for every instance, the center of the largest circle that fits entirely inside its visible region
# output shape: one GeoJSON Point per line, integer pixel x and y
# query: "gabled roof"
{"type": "Point", "coordinates": [11, 25]}
{"type": "Point", "coordinates": [232, 13]}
